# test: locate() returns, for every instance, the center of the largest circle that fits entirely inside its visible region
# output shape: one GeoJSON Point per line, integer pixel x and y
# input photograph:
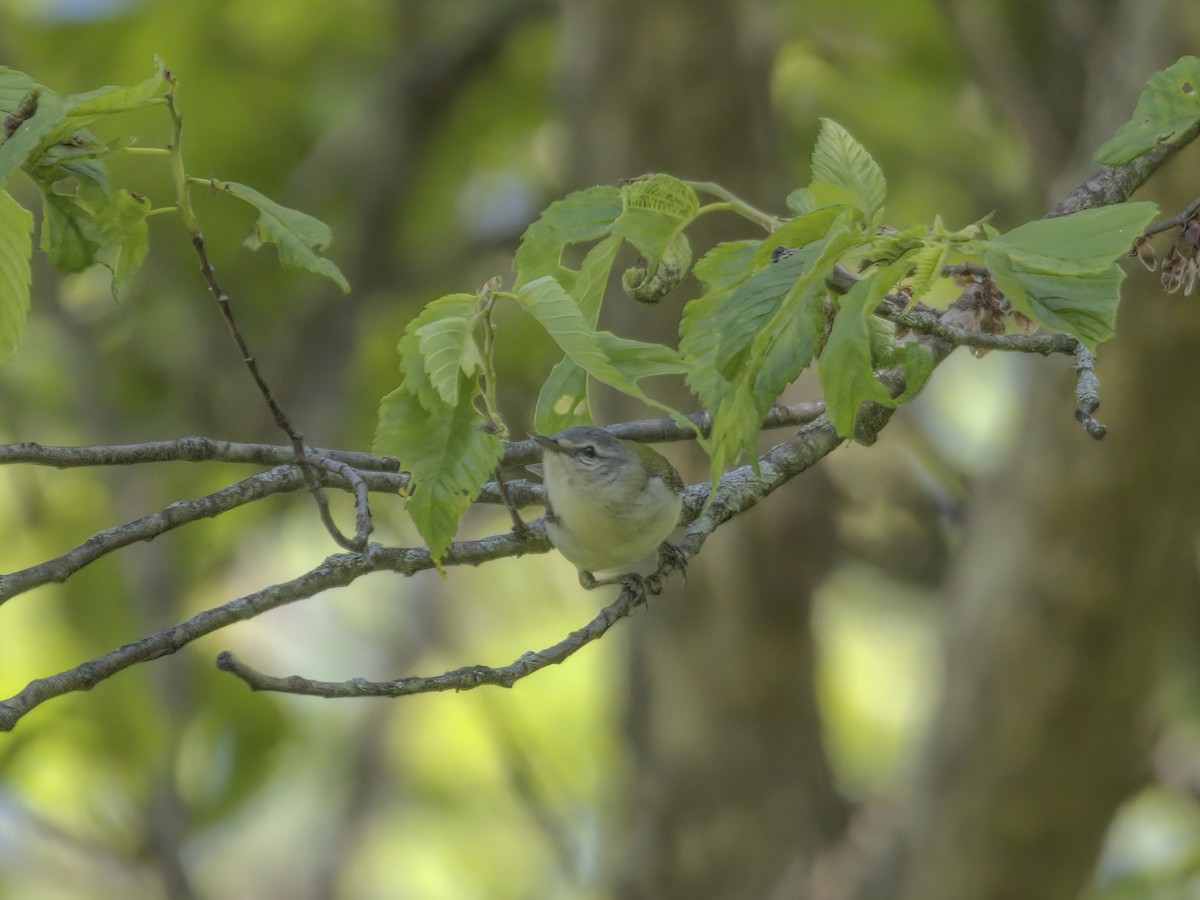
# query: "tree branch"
{"type": "Point", "coordinates": [336, 571]}
{"type": "Point", "coordinates": [737, 492]}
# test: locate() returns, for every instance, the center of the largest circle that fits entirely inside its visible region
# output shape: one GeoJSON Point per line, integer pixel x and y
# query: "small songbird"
{"type": "Point", "coordinates": [610, 502]}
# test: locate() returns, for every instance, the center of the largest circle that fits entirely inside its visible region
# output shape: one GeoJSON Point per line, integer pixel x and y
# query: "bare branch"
{"type": "Point", "coordinates": [1087, 392]}
{"type": "Point", "coordinates": [929, 322]}
{"type": "Point", "coordinates": [281, 479]}
{"type": "Point", "coordinates": [186, 449]}
{"type": "Point", "coordinates": [336, 571]}
{"type": "Point", "coordinates": [461, 679]}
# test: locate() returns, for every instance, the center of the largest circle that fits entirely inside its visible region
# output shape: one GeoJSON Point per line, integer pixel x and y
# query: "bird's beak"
{"type": "Point", "coordinates": [547, 443]}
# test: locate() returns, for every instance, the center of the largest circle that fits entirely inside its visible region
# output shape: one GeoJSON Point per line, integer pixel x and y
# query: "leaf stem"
{"type": "Point", "coordinates": [734, 203]}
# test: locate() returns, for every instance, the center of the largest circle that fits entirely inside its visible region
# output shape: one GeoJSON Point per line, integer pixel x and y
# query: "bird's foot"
{"type": "Point", "coordinates": [672, 555]}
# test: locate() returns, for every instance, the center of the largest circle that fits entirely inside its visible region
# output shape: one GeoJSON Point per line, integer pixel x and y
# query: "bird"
{"type": "Point", "coordinates": [609, 503]}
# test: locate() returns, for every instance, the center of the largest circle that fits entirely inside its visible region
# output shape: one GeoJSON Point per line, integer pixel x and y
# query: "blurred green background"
{"type": "Point", "coordinates": [429, 134]}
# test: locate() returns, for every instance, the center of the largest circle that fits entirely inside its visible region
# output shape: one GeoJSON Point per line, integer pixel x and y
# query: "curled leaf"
{"type": "Point", "coordinates": [650, 282]}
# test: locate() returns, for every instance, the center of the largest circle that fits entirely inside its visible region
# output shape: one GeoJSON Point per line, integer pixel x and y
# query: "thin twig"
{"type": "Point", "coordinates": [281, 479]}
{"type": "Point", "coordinates": [519, 526]}
{"type": "Point", "coordinates": [362, 503]}
{"type": "Point", "coordinates": [1173, 222]}
{"type": "Point", "coordinates": [336, 571]}
{"type": "Point", "coordinates": [205, 449]}
{"type": "Point", "coordinates": [195, 448]}
{"type": "Point", "coordinates": [461, 679]}
{"type": "Point", "coordinates": [1087, 392]}
{"type": "Point", "coordinates": [930, 322]}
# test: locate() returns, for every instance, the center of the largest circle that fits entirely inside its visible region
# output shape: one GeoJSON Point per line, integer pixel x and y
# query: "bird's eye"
{"type": "Point", "coordinates": [587, 451]}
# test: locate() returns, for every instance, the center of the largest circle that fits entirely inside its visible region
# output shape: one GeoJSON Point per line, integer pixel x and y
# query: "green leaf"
{"type": "Point", "coordinates": [48, 111]}
{"type": "Point", "coordinates": [1086, 241]}
{"type": "Point", "coordinates": [744, 345]}
{"type": "Point", "coordinates": [448, 348]}
{"type": "Point", "coordinates": [1062, 273]}
{"type": "Point", "coordinates": [727, 264]}
{"type": "Point", "coordinates": [754, 303]}
{"type": "Point", "coordinates": [927, 262]}
{"type": "Point", "coordinates": [725, 267]}
{"type": "Point", "coordinates": [563, 399]}
{"type": "Point", "coordinates": [818, 196]}
{"type": "Point", "coordinates": [652, 281]}
{"type": "Point", "coordinates": [1081, 305]}
{"type": "Point", "coordinates": [1169, 104]}
{"type": "Point", "coordinates": [838, 159]}
{"type": "Point", "coordinates": [655, 211]}
{"type": "Point", "coordinates": [71, 236]}
{"type": "Point", "coordinates": [779, 354]}
{"type": "Point", "coordinates": [846, 366]}
{"type": "Point", "coordinates": [81, 109]}
{"type": "Point", "coordinates": [414, 358]}
{"type": "Point", "coordinates": [15, 87]}
{"type": "Point", "coordinates": [799, 232]}
{"type": "Point", "coordinates": [917, 365]}
{"type": "Point", "coordinates": [16, 246]}
{"type": "Point", "coordinates": [297, 236]}
{"type": "Point", "coordinates": [447, 452]}
{"type": "Point", "coordinates": [578, 218]}
{"type": "Point", "coordinates": [124, 237]}
{"type": "Point", "coordinates": [615, 361]}
{"type": "Point", "coordinates": [717, 327]}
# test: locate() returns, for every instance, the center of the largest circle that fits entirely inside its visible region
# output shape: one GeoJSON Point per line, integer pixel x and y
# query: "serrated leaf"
{"type": "Point", "coordinates": [447, 453]}
{"type": "Point", "coordinates": [777, 357]}
{"type": "Point", "coordinates": [818, 196]}
{"type": "Point", "coordinates": [298, 237]}
{"type": "Point", "coordinates": [563, 399]}
{"type": "Point", "coordinates": [615, 361]}
{"type": "Point", "coordinates": [1062, 273]}
{"type": "Point", "coordinates": [655, 211]}
{"type": "Point", "coordinates": [83, 108]}
{"type": "Point", "coordinates": [927, 263]}
{"type": "Point", "coordinates": [838, 159]}
{"type": "Point", "coordinates": [1086, 241]}
{"type": "Point", "coordinates": [124, 237]}
{"type": "Point", "coordinates": [448, 348]}
{"type": "Point", "coordinates": [846, 366]}
{"type": "Point", "coordinates": [18, 148]}
{"type": "Point", "coordinates": [725, 267]}
{"type": "Point", "coordinates": [1081, 305]}
{"type": "Point", "coordinates": [726, 264]}
{"type": "Point", "coordinates": [799, 232]}
{"type": "Point", "coordinates": [16, 247]}
{"type": "Point", "coordinates": [70, 234]}
{"type": "Point", "coordinates": [578, 218]}
{"type": "Point", "coordinates": [1169, 104]}
{"type": "Point", "coordinates": [745, 345]}
{"type": "Point", "coordinates": [413, 365]}
{"type": "Point", "coordinates": [754, 303]}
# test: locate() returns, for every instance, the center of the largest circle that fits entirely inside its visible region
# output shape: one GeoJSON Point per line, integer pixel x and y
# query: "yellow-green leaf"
{"type": "Point", "coordinates": [16, 246]}
{"type": "Point", "coordinates": [298, 237]}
